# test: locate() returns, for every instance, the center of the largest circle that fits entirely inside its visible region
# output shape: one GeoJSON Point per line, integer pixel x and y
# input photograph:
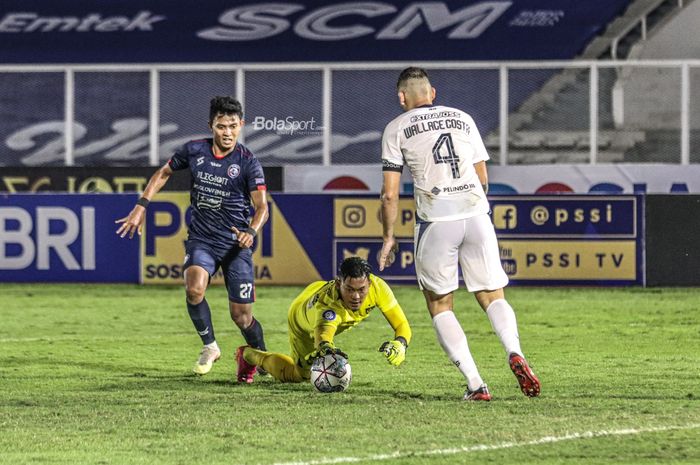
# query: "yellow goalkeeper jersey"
{"type": "Point", "coordinates": [318, 313]}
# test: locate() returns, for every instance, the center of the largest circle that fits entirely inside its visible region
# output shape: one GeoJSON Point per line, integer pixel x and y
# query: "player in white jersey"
{"type": "Point", "coordinates": [447, 159]}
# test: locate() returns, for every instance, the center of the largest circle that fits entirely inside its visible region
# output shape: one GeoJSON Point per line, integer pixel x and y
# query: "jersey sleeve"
{"type": "Point", "coordinates": [399, 323]}
{"type": "Point", "coordinates": [392, 157]}
{"type": "Point", "coordinates": [391, 310]}
{"type": "Point", "coordinates": [480, 152]}
{"type": "Point", "coordinates": [385, 296]}
{"type": "Point", "coordinates": [179, 160]}
{"type": "Point", "coordinates": [326, 325]}
{"type": "Point", "coordinates": [255, 176]}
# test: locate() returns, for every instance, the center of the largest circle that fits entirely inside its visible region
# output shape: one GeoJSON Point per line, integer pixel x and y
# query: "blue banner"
{"type": "Point", "coordinates": [571, 239]}
{"type": "Point", "coordinates": [150, 31]}
{"type": "Point", "coordinates": [564, 216]}
{"type": "Point", "coordinates": [566, 239]}
{"type": "Point", "coordinates": [65, 238]}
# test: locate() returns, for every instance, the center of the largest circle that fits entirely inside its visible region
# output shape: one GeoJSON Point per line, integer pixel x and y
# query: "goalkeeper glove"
{"type": "Point", "coordinates": [394, 351]}
{"type": "Point", "coordinates": [325, 348]}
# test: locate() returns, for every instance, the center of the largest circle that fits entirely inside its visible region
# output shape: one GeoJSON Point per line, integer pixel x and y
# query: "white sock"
{"type": "Point", "coordinates": [503, 321]}
{"type": "Point", "coordinates": [212, 345]}
{"type": "Point", "coordinates": [454, 342]}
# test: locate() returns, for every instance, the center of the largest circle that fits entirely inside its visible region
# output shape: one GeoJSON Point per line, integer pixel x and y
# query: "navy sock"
{"type": "Point", "coordinates": [253, 335]}
{"type": "Point", "coordinates": [201, 318]}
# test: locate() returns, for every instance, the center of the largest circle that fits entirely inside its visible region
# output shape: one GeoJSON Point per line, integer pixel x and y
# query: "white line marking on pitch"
{"type": "Point", "coordinates": [486, 447]}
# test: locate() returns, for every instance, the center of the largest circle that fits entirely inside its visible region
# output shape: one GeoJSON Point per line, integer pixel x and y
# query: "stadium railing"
{"type": "Point", "coordinates": [333, 114]}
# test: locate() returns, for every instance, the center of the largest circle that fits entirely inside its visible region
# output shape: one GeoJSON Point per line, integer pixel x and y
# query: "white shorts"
{"type": "Point", "coordinates": [471, 243]}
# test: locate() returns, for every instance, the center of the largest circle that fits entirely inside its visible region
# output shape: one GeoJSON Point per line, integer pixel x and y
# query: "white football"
{"type": "Point", "coordinates": [331, 373]}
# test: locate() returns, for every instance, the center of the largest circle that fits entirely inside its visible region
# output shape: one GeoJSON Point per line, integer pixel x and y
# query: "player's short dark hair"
{"type": "Point", "coordinates": [224, 105]}
{"type": "Point", "coordinates": [354, 267]}
{"type": "Point", "coordinates": [412, 72]}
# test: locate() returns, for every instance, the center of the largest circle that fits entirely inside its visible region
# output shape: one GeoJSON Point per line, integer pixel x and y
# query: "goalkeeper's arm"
{"type": "Point", "coordinates": [323, 341]}
{"type": "Point", "coordinates": [399, 323]}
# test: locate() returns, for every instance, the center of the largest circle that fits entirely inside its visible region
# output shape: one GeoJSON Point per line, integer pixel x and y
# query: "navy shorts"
{"type": "Point", "coordinates": [236, 265]}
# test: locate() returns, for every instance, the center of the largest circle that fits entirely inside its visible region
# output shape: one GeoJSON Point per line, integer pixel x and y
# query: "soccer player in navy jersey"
{"type": "Point", "coordinates": [226, 178]}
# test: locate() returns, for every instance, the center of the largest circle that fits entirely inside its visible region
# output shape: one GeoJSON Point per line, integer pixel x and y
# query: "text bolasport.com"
{"type": "Point", "coordinates": [288, 125]}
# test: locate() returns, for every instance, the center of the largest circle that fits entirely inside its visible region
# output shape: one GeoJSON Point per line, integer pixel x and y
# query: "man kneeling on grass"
{"type": "Point", "coordinates": [323, 310]}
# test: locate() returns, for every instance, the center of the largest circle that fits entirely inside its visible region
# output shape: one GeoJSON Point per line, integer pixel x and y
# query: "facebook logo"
{"type": "Point", "coordinates": [505, 217]}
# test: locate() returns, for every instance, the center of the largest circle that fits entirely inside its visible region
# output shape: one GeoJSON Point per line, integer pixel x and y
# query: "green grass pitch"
{"type": "Point", "coordinates": [100, 374]}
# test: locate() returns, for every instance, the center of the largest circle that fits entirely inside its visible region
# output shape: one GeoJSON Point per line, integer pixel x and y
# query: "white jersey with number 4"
{"type": "Point", "coordinates": [440, 146]}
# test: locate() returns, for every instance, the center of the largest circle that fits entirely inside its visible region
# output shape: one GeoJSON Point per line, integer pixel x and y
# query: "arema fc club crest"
{"type": "Point", "coordinates": [233, 171]}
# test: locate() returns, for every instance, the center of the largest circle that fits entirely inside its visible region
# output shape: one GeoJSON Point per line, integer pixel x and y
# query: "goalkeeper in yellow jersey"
{"type": "Point", "coordinates": [323, 310]}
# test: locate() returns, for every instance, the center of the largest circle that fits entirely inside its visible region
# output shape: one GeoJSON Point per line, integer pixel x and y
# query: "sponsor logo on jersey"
{"type": "Point", "coordinates": [328, 315]}
{"type": "Point", "coordinates": [233, 171]}
{"type": "Point", "coordinates": [215, 164]}
{"type": "Point", "coordinates": [209, 178]}
{"type": "Point", "coordinates": [200, 160]}
{"type": "Point", "coordinates": [442, 114]}
{"type": "Point", "coordinates": [389, 166]}
{"type": "Point", "coordinates": [462, 188]}
{"type": "Point", "coordinates": [435, 190]}
{"type": "Point", "coordinates": [312, 301]}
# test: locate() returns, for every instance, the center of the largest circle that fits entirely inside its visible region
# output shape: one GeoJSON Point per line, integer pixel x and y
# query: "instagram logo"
{"type": "Point", "coordinates": [354, 216]}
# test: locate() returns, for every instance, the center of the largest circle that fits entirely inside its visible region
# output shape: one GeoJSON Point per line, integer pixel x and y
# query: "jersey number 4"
{"type": "Point", "coordinates": [444, 145]}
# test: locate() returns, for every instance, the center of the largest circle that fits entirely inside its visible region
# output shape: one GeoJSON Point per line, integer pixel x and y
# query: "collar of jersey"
{"type": "Point", "coordinates": [235, 147]}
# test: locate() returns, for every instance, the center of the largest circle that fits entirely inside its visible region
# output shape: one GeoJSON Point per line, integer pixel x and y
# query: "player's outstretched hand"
{"type": "Point", "coordinates": [245, 237]}
{"type": "Point", "coordinates": [388, 253]}
{"type": "Point", "coordinates": [394, 351]}
{"type": "Point", "coordinates": [133, 223]}
{"type": "Point", "coordinates": [325, 348]}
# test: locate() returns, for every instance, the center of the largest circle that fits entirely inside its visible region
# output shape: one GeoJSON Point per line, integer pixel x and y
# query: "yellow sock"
{"type": "Point", "coordinates": [280, 366]}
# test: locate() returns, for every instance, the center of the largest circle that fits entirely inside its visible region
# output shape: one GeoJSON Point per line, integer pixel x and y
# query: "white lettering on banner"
{"type": "Point", "coordinates": [472, 21]}
{"type": "Point", "coordinates": [538, 18]}
{"type": "Point", "coordinates": [251, 22]}
{"type": "Point", "coordinates": [130, 140]}
{"type": "Point", "coordinates": [254, 22]}
{"type": "Point", "coordinates": [20, 237]}
{"type": "Point", "coordinates": [45, 241]}
{"type": "Point", "coordinates": [314, 26]}
{"type": "Point", "coordinates": [24, 22]}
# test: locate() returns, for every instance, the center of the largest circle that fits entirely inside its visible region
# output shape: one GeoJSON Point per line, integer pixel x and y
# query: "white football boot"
{"type": "Point", "coordinates": [207, 357]}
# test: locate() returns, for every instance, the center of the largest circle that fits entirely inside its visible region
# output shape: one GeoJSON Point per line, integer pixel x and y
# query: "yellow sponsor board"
{"type": "Point", "coordinates": [358, 217]}
{"type": "Point", "coordinates": [569, 260]}
{"type": "Point", "coordinates": [288, 262]}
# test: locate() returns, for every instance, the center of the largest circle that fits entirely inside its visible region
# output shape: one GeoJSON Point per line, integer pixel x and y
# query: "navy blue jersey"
{"type": "Point", "coordinates": [221, 187]}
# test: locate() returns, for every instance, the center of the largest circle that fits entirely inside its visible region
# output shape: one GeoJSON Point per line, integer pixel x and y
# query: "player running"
{"type": "Point", "coordinates": [325, 309]}
{"type": "Point", "coordinates": [447, 159]}
{"type": "Point", "coordinates": [226, 178]}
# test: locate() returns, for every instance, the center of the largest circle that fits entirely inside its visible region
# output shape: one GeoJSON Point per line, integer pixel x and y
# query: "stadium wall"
{"type": "Point", "coordinates": [366, 179]}
{"type": "Point", "coordinates": [672, 246]}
